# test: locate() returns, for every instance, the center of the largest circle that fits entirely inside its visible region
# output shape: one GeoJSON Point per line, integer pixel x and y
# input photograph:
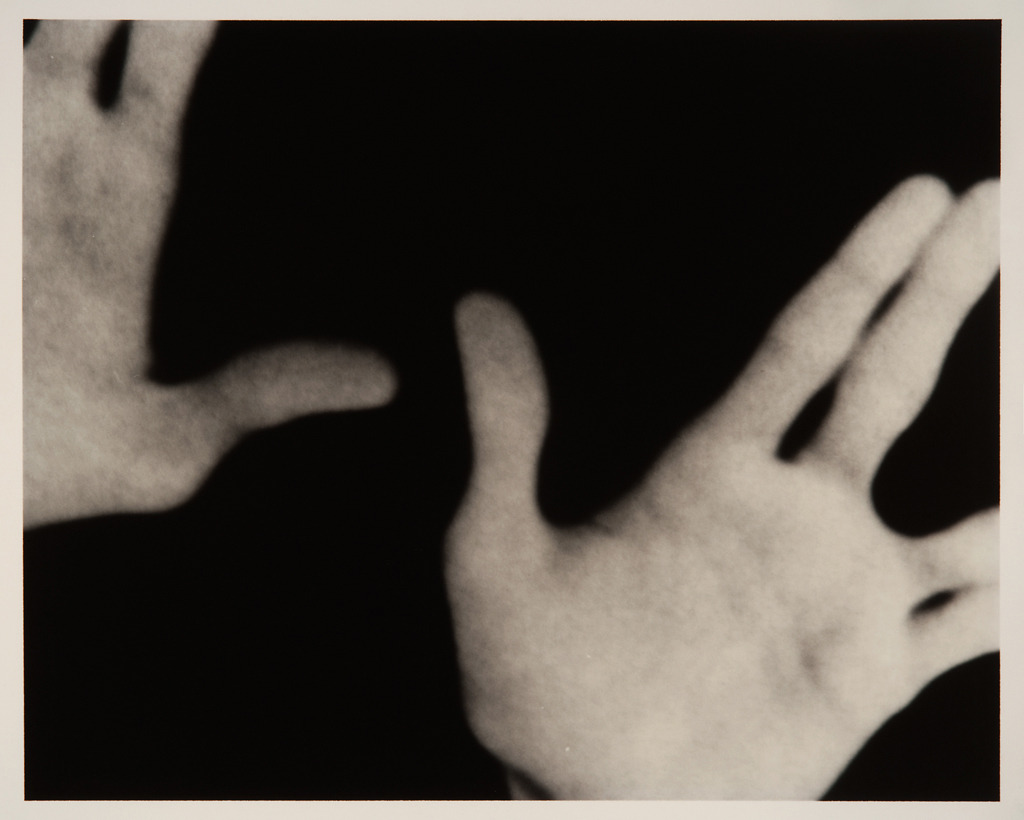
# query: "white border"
{"type": "Point", "coordinates": [1011, 12]}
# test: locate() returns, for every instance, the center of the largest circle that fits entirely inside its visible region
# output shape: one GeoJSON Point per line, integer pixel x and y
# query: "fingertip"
{"type": "Point", "coordinates": [986, 189]}
{"type": "Point", "coordinates": [506, 394]}
{"type": "Point", "coordinates": [273, 386]}
{"type": "Point", "coordinates": [886, 241]}
{"type": "Point", "coordinates": [926, 189]}
{"type": "Point", "coordinates": [370, 377]}
{"type": "Point", "coordinates": [926, 185]}
{"type": "Point", "coordinates": [494, 339]}
{"type": "Point", "coordinates": [962, 255]}
{"type": "Point", "coordinates": [385, 387]}
{"type": "Point", "coordinates": [162, 63]}
{"type": "Point", "coordinates": [928, 195]}
{"type": "Point", "coordinates": [981, 201]}
{"type": "Point", "coordinates": [922, 202]}
{"type": "Point", "coordinates": [477, 313]}
{"type": "Point", "coordinates": [342, 377]}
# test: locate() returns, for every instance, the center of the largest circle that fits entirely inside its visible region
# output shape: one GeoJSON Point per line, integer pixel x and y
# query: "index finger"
{"type": "Point", "coordinates": [817, 331]}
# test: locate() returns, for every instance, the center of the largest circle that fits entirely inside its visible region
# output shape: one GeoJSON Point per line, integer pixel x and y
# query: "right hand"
{"type": "Point", "coordinates": [739, 626]}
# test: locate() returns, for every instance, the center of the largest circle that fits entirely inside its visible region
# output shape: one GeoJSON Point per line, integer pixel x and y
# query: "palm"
{"type": "Point", "coordinates": [99, 436]}
{"type": "Point", "coordinates": [739, 625]}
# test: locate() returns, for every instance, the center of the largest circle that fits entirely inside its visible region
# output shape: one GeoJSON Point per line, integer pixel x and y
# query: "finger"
{"type": "Point", "coordinates": [163, 60]}
{"type": "Point", "coordinates": [506, 400]}
{"type": "Point", "coordinates": [894, 371]}
{"type": "Point", "coordinates": [964, 556]}
{"type": "Point", "coordinates": [68, 51]}
{"type": "Point", "coordinates": [965, 628]}
{"type": "Point", "coordinates": [814, 335]}
{"type": "Point", "coordinates": [276, 385]}
{"type": "Point", "coordinates": [955, 581]}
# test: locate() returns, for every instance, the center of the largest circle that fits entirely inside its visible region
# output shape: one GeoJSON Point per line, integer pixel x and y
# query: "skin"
{"type": "Point", "coordinates": [738, 626]}
{"type": "Point", "coordinates": [99, 436]}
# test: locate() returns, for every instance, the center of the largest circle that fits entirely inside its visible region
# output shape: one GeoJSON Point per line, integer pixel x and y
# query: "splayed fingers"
{"type": "Point", "coordinates": [815, 334]}
{"type": "Point", "coordinates": [738, 626]}
{"type": "Point", "coordinates": [893, 370]}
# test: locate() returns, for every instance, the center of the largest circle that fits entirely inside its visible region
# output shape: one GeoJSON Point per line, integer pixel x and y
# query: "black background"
{"type": "Point", "coordinates": [649, 195]}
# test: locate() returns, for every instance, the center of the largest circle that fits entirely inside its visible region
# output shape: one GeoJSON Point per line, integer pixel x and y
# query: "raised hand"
{"type": "Point", "coordinates": [739, 625]}
{"type": "Point", "coordinates": [98, 183]}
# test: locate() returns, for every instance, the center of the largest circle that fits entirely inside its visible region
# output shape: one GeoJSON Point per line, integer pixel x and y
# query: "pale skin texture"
{"type": "Point", "coordinates": [99, 436]}
{"type": "Point", "coordinates": [738, 626]}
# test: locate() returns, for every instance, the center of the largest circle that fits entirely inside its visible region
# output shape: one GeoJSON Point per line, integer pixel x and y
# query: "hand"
{"type": "Point", "coordinates": [739, 625]}
{"type": "Point", "coordinates": [98, 184]}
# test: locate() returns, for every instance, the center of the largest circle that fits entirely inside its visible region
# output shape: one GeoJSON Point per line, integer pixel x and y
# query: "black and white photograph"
{"type": "Point", "coordinates": [473, 409]}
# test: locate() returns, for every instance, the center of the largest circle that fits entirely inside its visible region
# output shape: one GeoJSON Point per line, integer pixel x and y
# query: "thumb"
{"type": "Point", "coordinates": [275, 385]}
{"type": "Point", "coordinates": [507, 401]}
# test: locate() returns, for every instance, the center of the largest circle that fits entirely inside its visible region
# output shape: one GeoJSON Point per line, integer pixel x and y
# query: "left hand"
{"type": "Point", "coordinates": [98, 184]}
